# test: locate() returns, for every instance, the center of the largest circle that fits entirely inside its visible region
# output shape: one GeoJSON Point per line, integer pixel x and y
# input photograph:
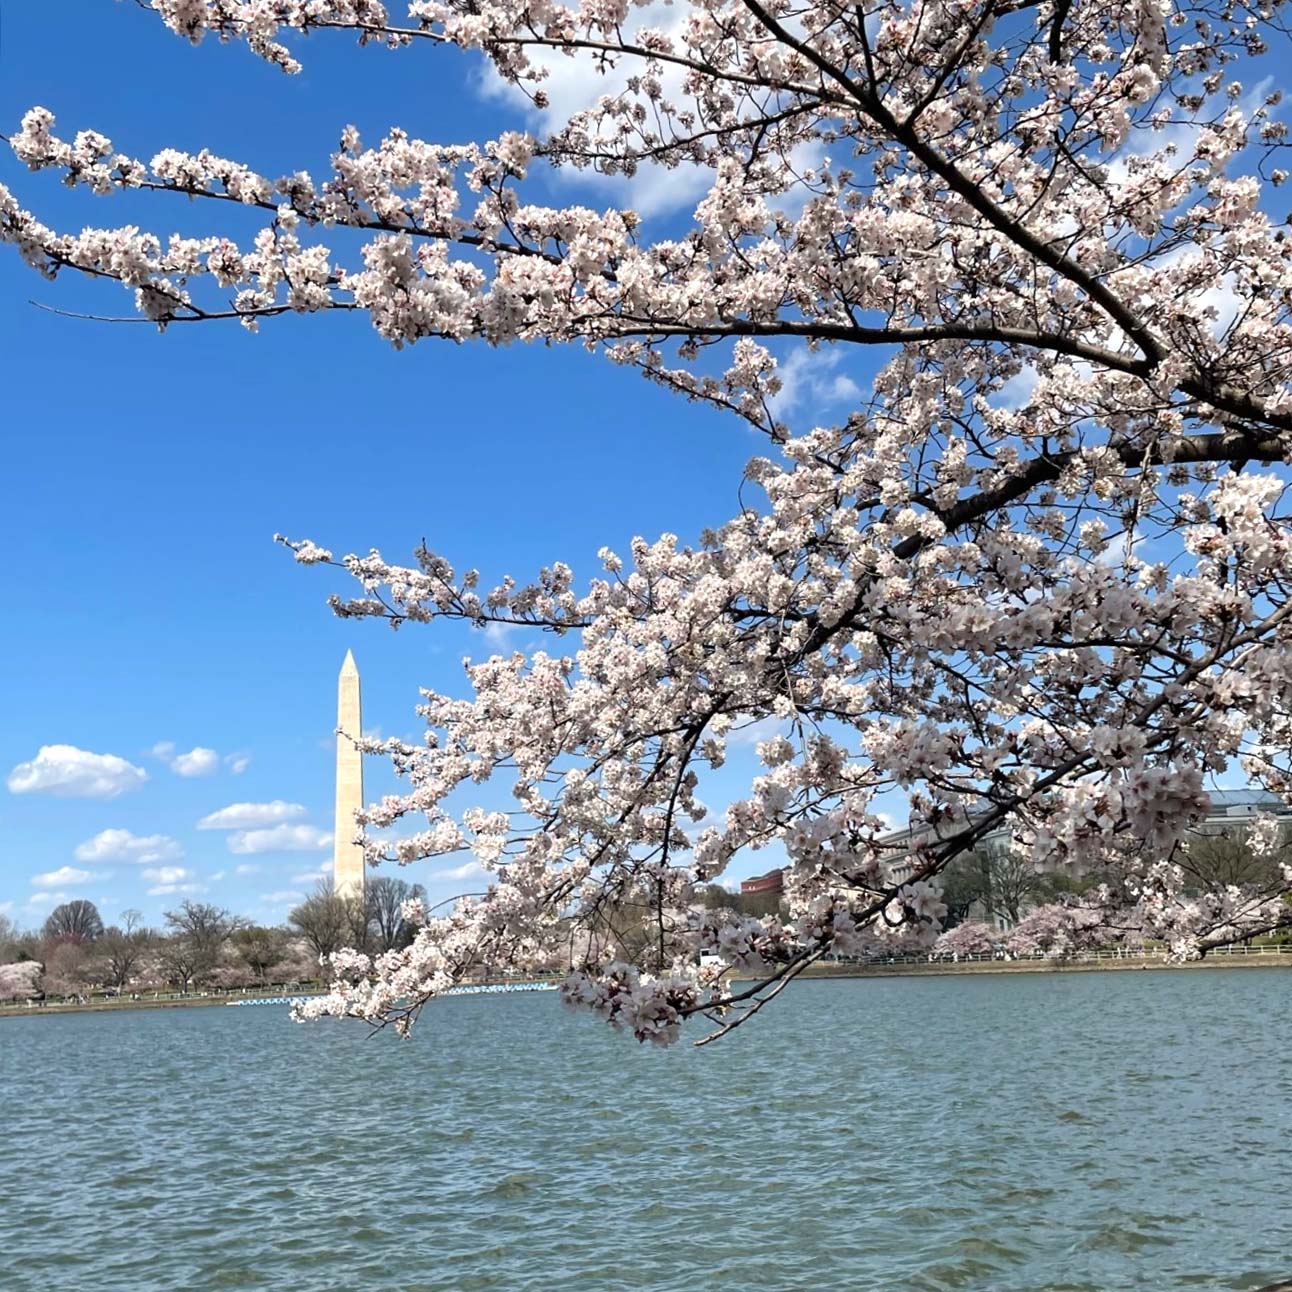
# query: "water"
{"type": "Point", "coordinates": [1065, 1133]}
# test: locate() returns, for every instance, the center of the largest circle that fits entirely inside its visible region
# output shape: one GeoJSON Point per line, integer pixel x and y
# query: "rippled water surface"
{"type": "Point", "coordinates": [1082, 1132]}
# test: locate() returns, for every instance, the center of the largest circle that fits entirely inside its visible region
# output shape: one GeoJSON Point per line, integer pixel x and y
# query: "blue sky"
{"type": "Point", "coordinates": [145, 476]}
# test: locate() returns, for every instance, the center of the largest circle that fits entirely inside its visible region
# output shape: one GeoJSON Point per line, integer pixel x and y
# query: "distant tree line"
{"type": "Point", "coordinates": [1002, 886]}
{"type": "Point", "coordinates": [200, 947]}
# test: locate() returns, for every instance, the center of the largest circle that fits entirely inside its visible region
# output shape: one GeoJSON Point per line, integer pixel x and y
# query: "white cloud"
{"type": "Point", "coordinates": [46, 901]}
{"type": "Point", "coordinates": [237, 763]}
{"type": "Point", "coordinates": [1183, 134]}
{"type": "Point", "coordinates": [1223, 297]}
{"type": "Point", "coordinates": [121, 845]}
{"type": "Point", "coordinates": [500, 635]}
{"type": "Point", "coordinates": [199, 761]}
{"type": "Point", "coordinates": [168, 875]}
{"type": "Point", "coordinates": [62, 876]}
{"type": "Point", "coordinates": [1018, 389]}
{"type": "Point", "coordinates": [321, 871]}
{"type": "Point", "coordinates": [287, 897]}
{"type": "Point", "coordinates": [753, 733]}
{"type": "Point", "coordinates": [468, 870]}
{"type": "Point", "coordinates": [70, 772]}
{"type": "Point", "coordinates": [170, 880]}
{"type": "Point", "coordinates": [247, 868]}
{"type": "Point", "coordinates": [809, 377]}
{"type": "Point", "coordinates": [579, 82]}
{"type": "Point", "coordinates": [280, 838]}
{"type": "Point", "coordinates": [250, 816]}
{"type": "Point", "coordinates": [6, 907]}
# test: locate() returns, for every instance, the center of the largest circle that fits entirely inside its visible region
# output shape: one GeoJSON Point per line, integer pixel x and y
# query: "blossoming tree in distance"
{"type": "Point", "coordinates": [1038, 579]}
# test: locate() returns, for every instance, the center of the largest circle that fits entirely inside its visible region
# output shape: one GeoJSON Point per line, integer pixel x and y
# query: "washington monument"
{"type": "Point", "coordinates": [347, 857]}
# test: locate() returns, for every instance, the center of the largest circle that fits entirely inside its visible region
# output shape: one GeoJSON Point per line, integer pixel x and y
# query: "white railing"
{"type": "Point", "coordinates": [1005, 957]}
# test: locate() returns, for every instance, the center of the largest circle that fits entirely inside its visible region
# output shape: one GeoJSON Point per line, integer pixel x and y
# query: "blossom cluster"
{"type": "Point", "coordinates": [1036, 580]}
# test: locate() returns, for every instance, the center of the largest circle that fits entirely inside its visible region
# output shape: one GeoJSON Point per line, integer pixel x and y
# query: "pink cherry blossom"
{"type": "Point", "coordinates": [1036, 579]}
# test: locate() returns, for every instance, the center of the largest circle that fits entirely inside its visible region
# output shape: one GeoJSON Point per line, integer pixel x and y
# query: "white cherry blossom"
{"type": "Point", "coordinates": [1037, 578]}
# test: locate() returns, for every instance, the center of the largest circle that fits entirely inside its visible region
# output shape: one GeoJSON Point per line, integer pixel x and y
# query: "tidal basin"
{"type": "Point", "coordinates": [1065, 1133]}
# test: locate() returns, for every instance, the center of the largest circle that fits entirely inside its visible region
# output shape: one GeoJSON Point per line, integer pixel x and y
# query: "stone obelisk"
{"type": "Point", "coordinates": [347, 857]}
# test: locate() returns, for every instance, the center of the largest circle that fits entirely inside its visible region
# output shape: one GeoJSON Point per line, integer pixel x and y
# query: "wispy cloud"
{"type": "Point", "coordinates": [322, 871]}
{"type": "Point", "coordinates": [810, 379]}
{"type": "Point", "coordinates": [63, 877]}
{"type": "Point", "coordinates": [46, 901]}
{"type": "Point", "coordinates": [121, 845]}
{"type": "Point", "coordinates": [468, 870]}
{"type": "Point", "coordinates": [284, 897]}
{"type": "Point", "coordinates": [170, 880]}
{"type": "Point", "coordinates": [250, 816]}
{"type": "Point", "coordinates": [753, 733]}
{"type": "Point", "coordinates": [500, 635]}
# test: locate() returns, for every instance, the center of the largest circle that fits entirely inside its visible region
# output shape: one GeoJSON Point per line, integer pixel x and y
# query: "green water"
{"type": "Point", "coordinates": [1072, 1133]}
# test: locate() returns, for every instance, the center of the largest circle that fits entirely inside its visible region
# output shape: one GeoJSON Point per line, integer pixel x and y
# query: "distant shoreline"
{"type": "Point", "coordinates": [949, 968]}
{"type": "Point", "coordinates": [124, 1006]}
{"type": "Point", "coordinates": [818, 971]}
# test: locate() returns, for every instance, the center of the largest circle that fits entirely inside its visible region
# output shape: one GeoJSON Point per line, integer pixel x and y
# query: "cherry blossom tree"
{"type": "Point", "coordinates": [66, 969]}
{"type": "Point", "coordinates": [1037, 579]}
{"type": "Point", "coordinates": [1057, 930]}
{"type": "Point", "coordinates": [20, 981]}
{"type": "Point", "coordinates": [971, 939]}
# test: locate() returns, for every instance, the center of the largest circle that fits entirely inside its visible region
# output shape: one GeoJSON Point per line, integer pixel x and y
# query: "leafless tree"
{"type": "Point", "coordinates": [323, 920]}
{"type": "Point", "coordinates": [199, 934]}
{"type": "Point", "coordinates": [76, 921]}
{"type": "Point", "coordinates": [1217, 861]}
{"type": "Point", "coordinates": [121, 948]}
{"type": "Point", "coordinates": [9, 938]}
{"type": "Point", "coordinates": [358, 918]}
{"type": "Point", "coordinates": [1014, 881]}
{"type": "Point", "coordinates": [260, 948]}
{"type": "Point", "coordinates": [181, 961]}
{"type": "Point", "coordinates": [385, 901]}
{"type": "Point", "coordinates": [966, 881]}
{"type": "Point", "coordinates": [1003, 882]}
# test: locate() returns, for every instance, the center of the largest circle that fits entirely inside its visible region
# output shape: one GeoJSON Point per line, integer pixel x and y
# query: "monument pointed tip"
{"type": "Point", "coordinates": [348, 665]}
